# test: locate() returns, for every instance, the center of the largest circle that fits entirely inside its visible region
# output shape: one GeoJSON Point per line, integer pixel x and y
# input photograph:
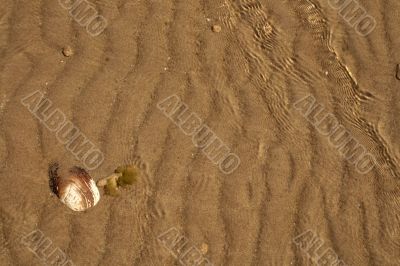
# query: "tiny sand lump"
{"type": "Point", "coordinates": [123, 175]}
{"type": "Point", "coordinates": [204, 248]}
{"type": "Point", "coordinates": [74, 187]}
{"type": "Point", "coordinates": [216, 28]}
{"type": "Point", "coordinates": [67, 51]}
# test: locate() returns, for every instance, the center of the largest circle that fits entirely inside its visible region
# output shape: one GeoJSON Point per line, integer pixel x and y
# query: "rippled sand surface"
{"type": "Point", "coordinates": [261, 82]}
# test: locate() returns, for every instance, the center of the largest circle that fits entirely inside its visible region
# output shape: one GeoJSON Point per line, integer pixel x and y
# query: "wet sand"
{"type": "Point", "coordinates": [293, 185]}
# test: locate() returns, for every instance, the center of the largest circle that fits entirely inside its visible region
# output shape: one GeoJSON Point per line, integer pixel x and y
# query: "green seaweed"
{"type": "Point", "coordinates": [129, 175]}
{"type": "Point", "coordinates": [112, 187]}
{"type": "Point", "coordinates": [124, 175]}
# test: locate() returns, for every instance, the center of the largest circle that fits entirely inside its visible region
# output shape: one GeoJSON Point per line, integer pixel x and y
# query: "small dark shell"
{"type": "Point", "coordinates": [53, 176]}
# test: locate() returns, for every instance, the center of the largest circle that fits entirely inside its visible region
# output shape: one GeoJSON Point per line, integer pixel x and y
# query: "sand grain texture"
{"type": "Point", "coordinates": [242, 80]}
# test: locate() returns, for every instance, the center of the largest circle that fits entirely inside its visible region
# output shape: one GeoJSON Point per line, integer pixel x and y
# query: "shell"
{"type": "Point", "coordinates": [75, 188]}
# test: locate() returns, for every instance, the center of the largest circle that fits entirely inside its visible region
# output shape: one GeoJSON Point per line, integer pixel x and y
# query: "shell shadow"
{"type": "Point", "coordinates": [53, 176]}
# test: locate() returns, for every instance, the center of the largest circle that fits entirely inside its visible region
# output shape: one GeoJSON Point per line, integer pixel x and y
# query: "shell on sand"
{"type": "Point", "coordinates": [75, 188]}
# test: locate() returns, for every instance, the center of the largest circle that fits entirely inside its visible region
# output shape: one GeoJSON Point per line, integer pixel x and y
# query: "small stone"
{"type": "Point", "coordinates": [216, 28]}
{"type": "Point", "coordinates": [204, 248]}
{"type": "Point", "coordinates": [398, 72]}
{"type": "Point", "coordinates": [67, 51]}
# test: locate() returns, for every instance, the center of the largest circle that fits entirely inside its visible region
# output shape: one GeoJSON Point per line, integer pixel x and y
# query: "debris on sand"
{"type": "Point", "coordinates": [122, 176]}
{"type": "Point", "coordinates": [204, 248]}
{"type": "Point", "coordinates": [68, 51]}
{"type": "Point", "coordinates": [216, 28]}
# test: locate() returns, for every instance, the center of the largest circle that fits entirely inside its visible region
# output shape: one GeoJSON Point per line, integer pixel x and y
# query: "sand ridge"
{"type": "Point", "coordinates": [292, 188]}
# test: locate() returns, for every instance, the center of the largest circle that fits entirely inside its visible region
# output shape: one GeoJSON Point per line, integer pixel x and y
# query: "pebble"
{"type": "Point", "coordinates": [204, 248]}
{"type": "Point", "coordinates": [398, 72]}
{"type": "Point", "coordinates": [216, 28]}
{"type": "Point", "coordinates": [67, 51]}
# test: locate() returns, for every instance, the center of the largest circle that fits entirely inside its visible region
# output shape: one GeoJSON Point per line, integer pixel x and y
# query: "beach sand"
{"type": "Point", "coordinates": [260, 75]}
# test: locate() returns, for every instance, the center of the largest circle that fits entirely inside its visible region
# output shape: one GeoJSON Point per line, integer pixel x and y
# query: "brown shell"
{"type": "Point", "coordinates": [75, 187]}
